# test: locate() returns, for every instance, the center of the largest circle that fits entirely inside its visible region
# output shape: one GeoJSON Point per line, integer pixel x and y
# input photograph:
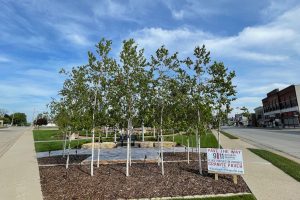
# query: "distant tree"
{"type": "Point", "coordinates": [41, 121]}
{"type": "Point", "coordinates": [2, 112]}
{"type": "Point", "coordinates": [7, 119]}
{"type": "Point", "coordinates": [19, 119]}
{"type": "Point", "coordinates": [245, 112]}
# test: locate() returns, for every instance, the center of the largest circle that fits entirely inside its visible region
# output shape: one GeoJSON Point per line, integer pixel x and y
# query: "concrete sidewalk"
{"type": "Point", "coordinates": [266, 181]}
{"type": "Point", "coordinates": [19, 171]}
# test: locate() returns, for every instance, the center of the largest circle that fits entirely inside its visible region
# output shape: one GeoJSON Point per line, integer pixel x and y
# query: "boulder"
{"type": "Point", "coordinates": [145, 144]}
{"type": "Point", "coordinates": [73, 136]}
{"type": "Point", "coordinates": [103, 145]}
{"type": "Point", "coordinates": [165, 144]}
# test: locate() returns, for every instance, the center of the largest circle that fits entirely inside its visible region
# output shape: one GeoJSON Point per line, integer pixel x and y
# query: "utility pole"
{"type": "Point", "coordinates": [33, 116]}
{"type": "Point", "coordinates": [12, 120]}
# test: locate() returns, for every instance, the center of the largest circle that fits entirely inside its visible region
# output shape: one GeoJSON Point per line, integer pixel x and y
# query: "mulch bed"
{"type": "Point", "coordinates": [179, 156]}
{"type": "Point", "coordinates": [145, 181]}
{"type": "Point", "coordinates": [73, 159]}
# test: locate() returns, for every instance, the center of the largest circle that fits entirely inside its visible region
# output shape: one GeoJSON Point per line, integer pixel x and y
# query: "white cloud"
{"type": "Point", "coordinates": [181, 39]}
{"type": "Point", "coordinates": [46, 75]}
{"type": "Point", "coordinates": [272, 49]}
{"type": "Point", "coordinates": [4, 59]}
{"type": "Point", "coordinates": [178, 14]}
{"type": "Point", "coordinates": [263, 89]}
{"type": "Point", "coordinates": [276, 8]}
{"type": "Point", "coordinates": [248, 102]}
{"type": "Point", "coordinates": [191, 9]}
{"type": "Point", "coordinates": [274, 42]}
{"type": "Point", "coordinates": [75, 33]}
{"type": "Point", "coordinates": [245, 100]}
{"type": "Point", "coordinates": [116, 10]}
{"type": "Point", "coordinates": [11, 90]}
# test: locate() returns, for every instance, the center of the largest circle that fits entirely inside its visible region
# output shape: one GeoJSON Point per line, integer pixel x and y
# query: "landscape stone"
{"type": "Point", "coordinates": [103, 145]}
{"type": "Point", "coordinates": [165, 144]}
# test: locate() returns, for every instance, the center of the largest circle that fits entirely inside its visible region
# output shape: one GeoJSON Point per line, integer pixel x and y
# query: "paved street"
{"type": "Point", "coordinates": [285, 140]}
{"type": "Point", "coordinates": [8, 136]}
{"type": "Point", "coordinates": [265, 181]}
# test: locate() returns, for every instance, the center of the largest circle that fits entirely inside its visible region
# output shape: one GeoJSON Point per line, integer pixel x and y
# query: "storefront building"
{"type": "Point", "coordinates": [281, 107]}
{"type": "Point", "coordinates": [259, 115]}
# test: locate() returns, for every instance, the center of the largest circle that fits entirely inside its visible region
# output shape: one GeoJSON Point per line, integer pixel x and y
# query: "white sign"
{"type": "Point", "coordinates": [225, 161]}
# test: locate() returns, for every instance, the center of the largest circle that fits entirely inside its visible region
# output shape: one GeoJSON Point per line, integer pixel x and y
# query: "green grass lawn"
{"type": "Point", "coordinates": [207, 141]}
{"type": "Point", "coordinates": [41, 135]}
{"type": "Point", "coordinates": [229, 135]}
{"type": "Point", "coordinates": [58, 145]}
{"type": "Point", "coordinates": [44, 135]}
{"type": "Point", "coordinates": [239, 197]}
{"type": "Point", "coordinates": [288, 166]}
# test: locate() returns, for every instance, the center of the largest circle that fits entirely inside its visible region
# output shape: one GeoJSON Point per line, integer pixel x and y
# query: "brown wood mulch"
{"type": "Point", "coordinates": [145, 181]}
{"type": "Point", "coordinates": [52, 160]}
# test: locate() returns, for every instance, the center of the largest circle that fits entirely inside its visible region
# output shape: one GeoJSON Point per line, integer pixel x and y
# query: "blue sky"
{"type": "Point", "coordinates": [259, 39]}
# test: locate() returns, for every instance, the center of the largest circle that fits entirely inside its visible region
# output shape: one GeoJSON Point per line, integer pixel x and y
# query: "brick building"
{"type": "Point", "coordinates": [281, 107]}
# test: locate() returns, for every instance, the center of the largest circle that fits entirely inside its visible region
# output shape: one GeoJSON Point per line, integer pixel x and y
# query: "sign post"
{"type": "Point", "coordinates": [225, 161]}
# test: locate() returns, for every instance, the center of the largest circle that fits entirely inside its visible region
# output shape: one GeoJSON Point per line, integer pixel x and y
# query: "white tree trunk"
{"type": "Point", "coordinates": [127, 161]}
{"type": "Point", "coordinates": [154, 132]}
{"type": "Point", "coordinates": [158, 150]}
{"type": "Point", "coordinates": [143, 132]}
{"type": "Point", "coordinates": [65, 144]}
{"type": "Point", "coordinates": [130, 150]}
{"type": "Point", "coordinates": [106, 132]}
{"type": "Point", "coordinates": [161, 144]}
{"type": "Point", "coordinates": [219, 134]}
{"type": "Point", "coordinates": [188, 150]}
{"type": "Point", "coordinates": [98, 153]}
{"type": "Point", "coordinates": [173, 141]}
{"type": "Point", "coordinates": [68, 157]}
{"type": "Point", "coordinates": [115, 137]}
{"type": "Point", "coordinates": [199, 154]}
{"type": "Point", "coordinates": [199, 144]}
{"type": "Point", "coordinates": [162, 156]}
{"type": "Point", "coordinates": [93, 145]}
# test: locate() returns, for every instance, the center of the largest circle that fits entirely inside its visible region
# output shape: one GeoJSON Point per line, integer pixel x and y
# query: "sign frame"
{"type": "Point", "coordinates": [225, 161]}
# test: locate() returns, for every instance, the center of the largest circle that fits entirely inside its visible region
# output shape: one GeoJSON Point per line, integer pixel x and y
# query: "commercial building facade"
{"type": "Point", "coordinates": [259, 115]}
{"type": "Point", "coordinates": [241, 120]}
{"type": "Point", "coordinates": [281, 107]}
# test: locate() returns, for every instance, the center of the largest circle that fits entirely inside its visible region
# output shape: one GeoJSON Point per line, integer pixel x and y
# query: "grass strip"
{"type": "Point", "coordinates": [207, 141]}
{"type": "Point", "coordinates": [58, 145]}
{"type": "Point", "coordinates": [42, 135]}
{"type": "Point", "coordinates": [238, 197]}
{"type": "Point", "coordinates": [290, 167]}
{"type": "Point", "coordinates": [229, 135]}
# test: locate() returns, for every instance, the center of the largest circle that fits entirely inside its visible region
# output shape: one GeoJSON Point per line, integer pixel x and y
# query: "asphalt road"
{"type": "Point", "coordinates": [284, 140]}
{"type": "Point", "coordinates": [8, 136]}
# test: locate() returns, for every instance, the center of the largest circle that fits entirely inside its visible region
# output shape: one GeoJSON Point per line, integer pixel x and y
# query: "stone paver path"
{"type": "Point", "coordinates": [119, 153]}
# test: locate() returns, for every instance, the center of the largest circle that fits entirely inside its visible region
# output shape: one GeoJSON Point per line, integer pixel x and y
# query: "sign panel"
{"type": "Point", "coordinates": [225, 161]}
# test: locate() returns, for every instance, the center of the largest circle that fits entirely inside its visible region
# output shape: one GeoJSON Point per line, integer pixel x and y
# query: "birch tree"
{"type": "Point", "coordinates": [199, 93]}
{"type": "Point", "coordinates": [131, 73]}
{"type": "Point", "coordinates": [100, 71]}
{"type": "Point", "coordinates": [164, 65]}
{"type": "Point", "coordinates": [222, 91]}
